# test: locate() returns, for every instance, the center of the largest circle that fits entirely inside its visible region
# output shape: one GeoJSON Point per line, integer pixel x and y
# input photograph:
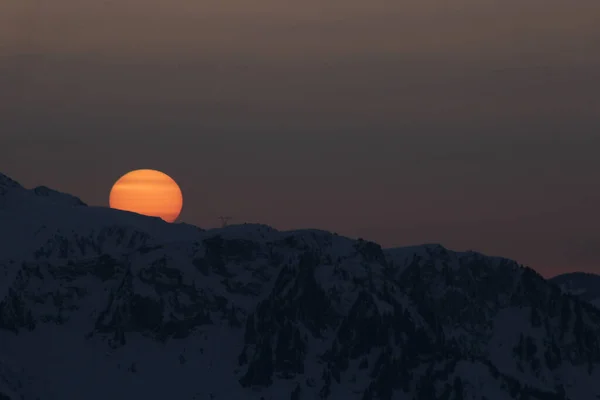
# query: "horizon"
{"type": "Point", "coordinates": [292, 230]}
{"type": "Point", "coordinates": [473, 124]}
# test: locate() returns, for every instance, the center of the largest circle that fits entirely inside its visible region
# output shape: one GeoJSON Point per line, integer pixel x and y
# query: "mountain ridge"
{"type": "Point", "coordinates": [123, 305]}
{"type": "Point", "coordinates": [584, 285]}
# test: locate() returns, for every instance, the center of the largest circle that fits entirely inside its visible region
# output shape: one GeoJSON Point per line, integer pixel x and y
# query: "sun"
{"type": "Point", "coordinates": [147, 192]}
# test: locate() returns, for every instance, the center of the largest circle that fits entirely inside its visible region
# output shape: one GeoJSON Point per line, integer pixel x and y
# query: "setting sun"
{"type": "Point", "coordinates": [147, 192]}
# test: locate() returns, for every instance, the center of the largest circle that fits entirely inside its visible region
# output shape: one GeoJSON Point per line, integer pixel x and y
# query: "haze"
{"type": "Point", "coordinates": [474, 124]}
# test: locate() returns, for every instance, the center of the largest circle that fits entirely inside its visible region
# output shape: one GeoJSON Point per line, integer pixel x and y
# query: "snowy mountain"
{"type": "Point", "coordinates": [97, 303]}
{"type": "Point", "coordinates": [584, 285]}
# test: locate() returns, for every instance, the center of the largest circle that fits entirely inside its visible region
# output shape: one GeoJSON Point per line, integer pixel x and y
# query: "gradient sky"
{"type": "Point", "coordinates": [472, 123]}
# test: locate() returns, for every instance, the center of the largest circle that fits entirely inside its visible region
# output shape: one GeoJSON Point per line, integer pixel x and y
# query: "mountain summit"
{"type": "Point", "coordinates": [7, 184]}
{"type": "Point", "coordinates": [13, 194]}
{"type": "Point", "coordinates": [98, 303]}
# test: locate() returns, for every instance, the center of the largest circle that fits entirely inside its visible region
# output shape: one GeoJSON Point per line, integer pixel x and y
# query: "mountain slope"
{"type": "Point", "coordinates": [97, 303]}
{"type": "Point", "coordinates": [583, 285]}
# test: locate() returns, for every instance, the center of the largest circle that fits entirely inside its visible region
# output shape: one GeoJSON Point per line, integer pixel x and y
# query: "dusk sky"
{"type": "Point", "coordinates": [471, 123]}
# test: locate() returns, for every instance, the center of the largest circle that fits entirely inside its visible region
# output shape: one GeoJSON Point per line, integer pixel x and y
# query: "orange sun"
{"type": "Point", "coordinates": [147, 192]}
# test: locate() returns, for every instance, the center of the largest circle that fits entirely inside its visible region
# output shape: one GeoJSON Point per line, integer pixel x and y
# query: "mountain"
{"type": "Point", "coordinates": [12, 194]}
{"type": "Point", "coordinates": [98, 303]}
{"type": "Point", "coordinates": [583, 285]}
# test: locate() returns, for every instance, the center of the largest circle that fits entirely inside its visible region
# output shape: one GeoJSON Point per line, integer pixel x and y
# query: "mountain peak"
{"type": "Point", "coordinates": [16, 195]}
{"type": "Point", "coordinates": [7, 183]}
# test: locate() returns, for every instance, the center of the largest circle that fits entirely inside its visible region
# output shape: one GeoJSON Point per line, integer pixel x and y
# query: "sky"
{"type": "Point", "coordinates": [472, 123]}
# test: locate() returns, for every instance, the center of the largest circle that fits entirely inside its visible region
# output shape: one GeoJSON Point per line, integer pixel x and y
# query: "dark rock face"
{"type": "Point", "coordinates": [14, 313]}
{"type": "Point", "coordinates": [273, 339]}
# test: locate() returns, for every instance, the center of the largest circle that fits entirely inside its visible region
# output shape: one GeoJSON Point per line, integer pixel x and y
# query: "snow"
{"type": "Point", "coordinates": [77, 270]}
